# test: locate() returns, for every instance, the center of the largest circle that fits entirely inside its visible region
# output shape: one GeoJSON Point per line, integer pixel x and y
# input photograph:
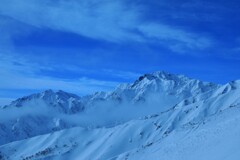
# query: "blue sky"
{"type": "Point", "coordinates": [83, 46]}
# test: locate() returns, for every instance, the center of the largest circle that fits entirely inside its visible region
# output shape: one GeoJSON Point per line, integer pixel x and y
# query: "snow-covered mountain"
{"type": "Point", "coordinates": [61, 101]}
{"type": "Point", "coordinates": [159, 116]}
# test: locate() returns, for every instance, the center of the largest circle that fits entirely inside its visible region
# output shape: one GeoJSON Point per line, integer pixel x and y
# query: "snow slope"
{"type": "Point", "coordinates": [188, 119]}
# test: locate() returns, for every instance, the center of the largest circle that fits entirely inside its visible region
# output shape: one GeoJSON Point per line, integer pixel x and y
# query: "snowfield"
{"type": "Point", "coordinates": [160, 116]}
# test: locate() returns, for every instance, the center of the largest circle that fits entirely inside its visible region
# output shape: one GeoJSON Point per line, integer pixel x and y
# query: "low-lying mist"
{"type": "Point", "coordinates": [105, 113]}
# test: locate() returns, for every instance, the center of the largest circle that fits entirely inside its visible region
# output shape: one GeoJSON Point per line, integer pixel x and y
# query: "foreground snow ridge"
{"type": "Point", "coordinates": [160, 116]}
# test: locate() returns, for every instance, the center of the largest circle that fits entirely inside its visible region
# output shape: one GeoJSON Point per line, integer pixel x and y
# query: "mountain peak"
{"type": "Point", "coordinates": [47, 92]}
{"type": "Point", "coordinates": [163, 75]}
{"type": "Point", "coordinates": [58, 94]}
{"type": "Point", "coordinates": [60, 100]}
{"type": "Point", "coordinates": [162, 85]}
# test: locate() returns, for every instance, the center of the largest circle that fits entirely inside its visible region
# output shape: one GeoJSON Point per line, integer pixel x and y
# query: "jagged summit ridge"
{"type": "Point", "coordinates": [165, 78]}
{"type": "Point", "coordinates": [163, 75]}
{"type": "Point", "coordinates": [163, 83]}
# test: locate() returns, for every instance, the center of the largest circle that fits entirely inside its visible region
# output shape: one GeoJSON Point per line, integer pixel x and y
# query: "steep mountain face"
{"type": "Point", "coordinates": [159, 115]}
{"type": "Point", "coordinates": [163, 88]}
{"type": "Point", "coordinates": [169, 84]}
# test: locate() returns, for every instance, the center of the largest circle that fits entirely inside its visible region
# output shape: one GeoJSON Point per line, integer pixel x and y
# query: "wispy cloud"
{"type": "Point", "coordinates": [122, 74]}
{"type": "Point", "coordinates": [94, 19]}
{"type": "Point", "coordinates": [113, 21]}
{"type": "Point", "coordinates": [80, 86]}
{"type": "Point", "coordinates": [177, 39]}
{"type": "Point", "coordinates": [18, 73]}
